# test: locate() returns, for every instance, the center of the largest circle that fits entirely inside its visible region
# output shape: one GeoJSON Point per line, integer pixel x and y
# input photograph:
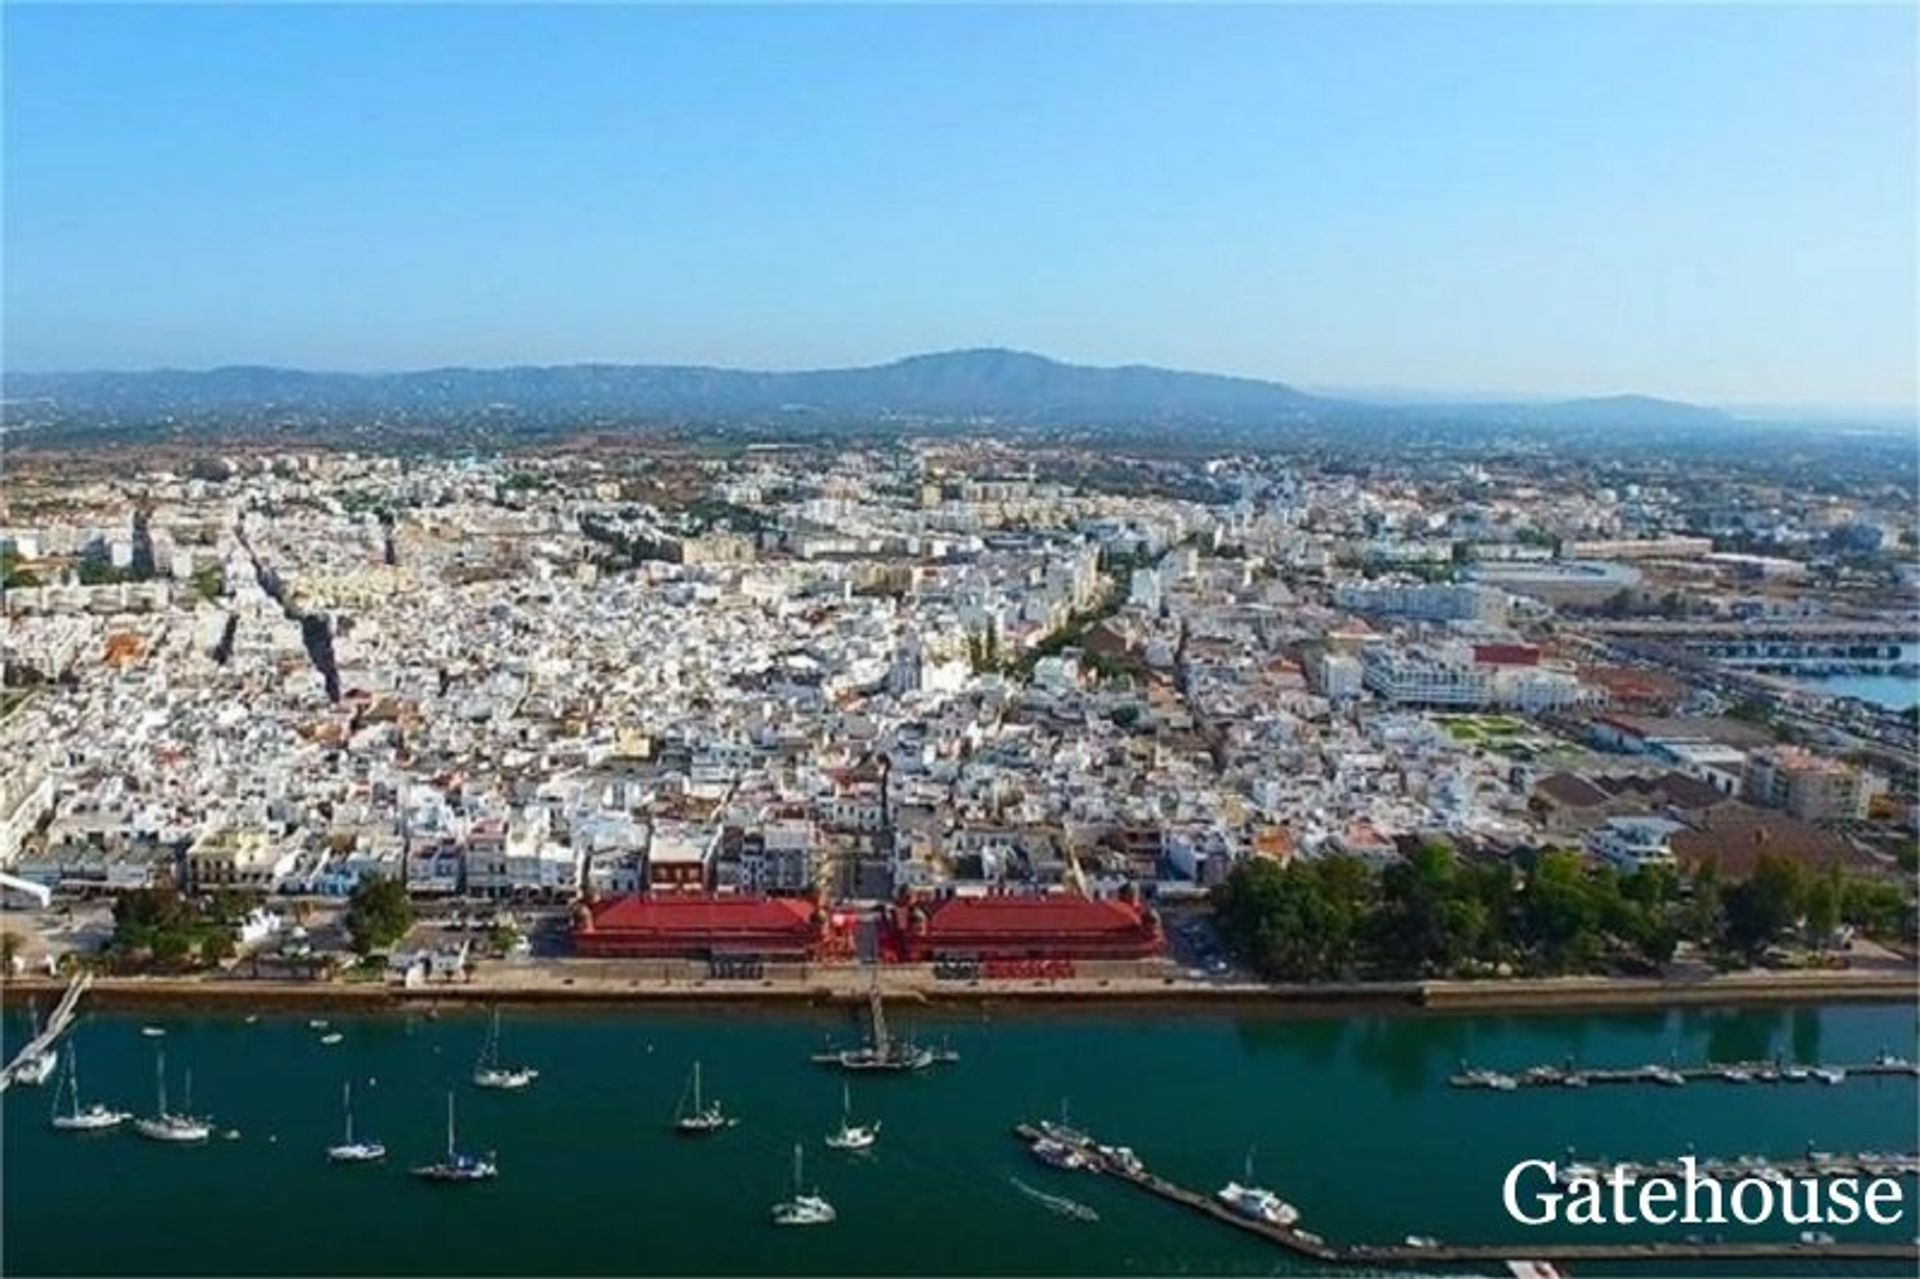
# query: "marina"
{"type": "Point", "coordinates": [1885, 1065]}
{"type": "Point", "coordinates": [1349, 1120]}
{"type": "Point", "coordinates": [1279, 1229]}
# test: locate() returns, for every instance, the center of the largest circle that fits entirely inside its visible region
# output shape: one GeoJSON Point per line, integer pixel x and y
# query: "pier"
{"type": "Point", "coordinates": [63, 1015]}
{"type": "Point", "coordinates": [1118, 1163]}
{"type": "Point", "coordinates": [1735, 1073]}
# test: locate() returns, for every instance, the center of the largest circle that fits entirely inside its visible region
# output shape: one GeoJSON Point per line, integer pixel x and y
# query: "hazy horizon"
{"type": "Point", "coordinates": [1713, 205]}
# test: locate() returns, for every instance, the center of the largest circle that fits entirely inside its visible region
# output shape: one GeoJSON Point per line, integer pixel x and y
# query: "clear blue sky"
{"type": "Point", "coordinates": [1716, 203]}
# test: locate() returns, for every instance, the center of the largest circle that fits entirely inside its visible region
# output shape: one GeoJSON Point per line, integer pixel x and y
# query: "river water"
{"type": "Point", "coordinates": [1349, 1117]}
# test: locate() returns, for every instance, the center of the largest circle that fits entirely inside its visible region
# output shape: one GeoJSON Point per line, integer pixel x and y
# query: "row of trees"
{"type": "Point", "coordinates": [171, 930]}
{"type": "Point", "coordinates": [168, 929]}
{"type": "Point", "coordinates": [1433, 914]}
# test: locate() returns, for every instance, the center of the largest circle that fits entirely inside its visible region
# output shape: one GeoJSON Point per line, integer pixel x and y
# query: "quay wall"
{"type": "Point", "coordinates": [559, 984]}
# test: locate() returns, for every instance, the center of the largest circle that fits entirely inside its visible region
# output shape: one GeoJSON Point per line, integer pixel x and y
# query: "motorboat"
{"type": "Point", "coordinates": [1058, 1154]}
{"type": "Point", "coordinates": [1255, 1203]}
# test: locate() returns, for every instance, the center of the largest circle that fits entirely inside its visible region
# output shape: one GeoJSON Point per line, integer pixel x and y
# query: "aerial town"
{"type": "Point", "coordinates": [960, 711]}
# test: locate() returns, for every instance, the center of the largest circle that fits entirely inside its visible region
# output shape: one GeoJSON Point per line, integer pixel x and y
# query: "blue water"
{"type": "Point", "coordinates": [1349, 1117]}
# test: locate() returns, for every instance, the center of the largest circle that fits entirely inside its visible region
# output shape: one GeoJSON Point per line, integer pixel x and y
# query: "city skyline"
{"type": "Point", "coordinates": [1708, 206]}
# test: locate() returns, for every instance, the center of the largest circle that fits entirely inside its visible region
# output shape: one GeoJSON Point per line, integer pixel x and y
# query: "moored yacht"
{"type": "Point", "coordinates": [457, 1167]}
{"type": "Point", "coordinates": [805, 1208]}
{"type": "Point", "coordinates": [350, 1151]}
{"type": "Point", "coordinates": [1058, 1154]}
{"type": "Point", "coordinates": [852, 1136]}
{"type": "Point", "coordinates": [1256, 1204]}
{"type": "Point", "coordinates": [701, 1118]}
{"type": "Point", "coordinates": [489, 1073]}
{"type": "Point", "coordinates": [164, 1124]}
{"type": "Point", "coordinates": [93, 1117]}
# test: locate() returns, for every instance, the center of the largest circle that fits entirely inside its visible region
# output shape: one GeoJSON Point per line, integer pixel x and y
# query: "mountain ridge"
{"type": "Point", "coordinates": [990, 383]}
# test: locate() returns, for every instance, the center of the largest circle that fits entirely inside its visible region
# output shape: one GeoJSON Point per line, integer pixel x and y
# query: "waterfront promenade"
{"type": "Point", "coordinates": [624, 982]}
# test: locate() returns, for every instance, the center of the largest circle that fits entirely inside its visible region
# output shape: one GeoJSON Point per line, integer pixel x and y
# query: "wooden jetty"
{"type": "Point", "coordinates": [1308, 1244]}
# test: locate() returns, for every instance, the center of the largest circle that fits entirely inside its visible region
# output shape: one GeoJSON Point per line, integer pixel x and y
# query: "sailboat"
{"type": "Point", "coordinates": [350, 1151]}
{"type": "Point", "coordinates": [1256, 1204]}
{"type": "Point", "coordinates": [457, 1167]}
{"type": "Point", "coordinates": [165, 1125]}
{"type": "Point", "coordinates": [93, 1117]}
{"type": "Point", "coordinates": [489, 1073]}
{"type": "Point", "coordinates": [804, 1209]}
{"type": "Point", "coordinates": [1063, 1131]}
{"type": "Point", "coordinates": [699, 1120]}
{"type": "Point", "coordinates": [852, 1136]}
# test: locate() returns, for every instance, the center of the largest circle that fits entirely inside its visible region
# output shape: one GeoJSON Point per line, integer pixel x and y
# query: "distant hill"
{"type": "Point", "coordinates": [986, 386]}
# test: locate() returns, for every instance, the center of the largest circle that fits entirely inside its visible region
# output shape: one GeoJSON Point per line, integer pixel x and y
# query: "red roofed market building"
{"type": "Point", "coordinates": [1005, 926]}
{"type": "Point", "coordinates": [701, 926]}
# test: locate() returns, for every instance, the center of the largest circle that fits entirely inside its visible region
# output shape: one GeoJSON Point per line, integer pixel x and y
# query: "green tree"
{"type": "Point", "coordinates": [142, 917]}
{"type": "Point", "coordinates": [1561, 912]}
{"type": "Point", "coordinates": [172, 947]}
{"type": "Point", "coordinates": [378, 914]}
{"type": "Point", "coordinates": [1823, 907]}
{"type": "Point", "coordinates": [1766, 904]}
{"type": "Point", "coordinates": [217, 947]}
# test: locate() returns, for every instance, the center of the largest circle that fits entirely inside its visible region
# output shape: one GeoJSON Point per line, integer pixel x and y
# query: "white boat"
{"type": "Point", "coordinates": [1058, 1154]}
{"type": "Point", "coordinates": [805, 1208]}
{"type": "Point", "coordinates": [1060, 1204]}
{"type": "Point", "coordinates": [164, 1124]}
{"type": "Point", "coordinates": [350, 1151]}
{"type": "Point", "coordinates": [37, 1069]}
{"type": "Point", "coordinates": [92, 1117]}
{"type": "Point", "coordinates": [318, 1023]}
{"type": "Point", "coordinates": [701, 1118]}
{"type": "Point", "coordinates": [1665, 1075]}
{"type": "Point", "coordinates": [457, 1168]}
{"type": "Point", "coordinates": [1830, 1074]}
{"type": "Point", "coordinates": [153, 1032]}
{"type": "Point", "coordinates": [882, 1051]}
{"type": "Point", "coordinates": [332, 1037]}
{"type": "Point", "coordinates": [489, 1073]}
{"type": "Point", "coordinates": [852, 1136]}
{"type": "Point", "coordinates": [1256, 1204]}
{"type": "Point", "coordinates": [1736, 1074]}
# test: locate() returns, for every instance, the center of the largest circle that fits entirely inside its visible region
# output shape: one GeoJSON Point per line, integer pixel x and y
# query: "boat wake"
{"type": "Point", "coordinates": [1059, 1204]}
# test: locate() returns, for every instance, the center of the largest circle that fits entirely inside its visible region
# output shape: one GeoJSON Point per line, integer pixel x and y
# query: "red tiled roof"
{"type": "Point", "coordinates": [1506, 654]}
{"type": "Point", "coordinates": [958, 919]}
{"type": "Point", "coordinates": [703, 914]}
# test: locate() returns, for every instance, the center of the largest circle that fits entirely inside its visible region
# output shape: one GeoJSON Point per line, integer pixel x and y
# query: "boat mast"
{"type": "Point", "coordinates": [346, 1101]}
{"type": "Point", "coordinates": [187, 1104]}
{"type": "Point", "coordinates": [449, 1126]}
{"type": "Point", "coordinates": [696, 1087]}
{"type": "Point", "coordinates": [160, 1075]}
